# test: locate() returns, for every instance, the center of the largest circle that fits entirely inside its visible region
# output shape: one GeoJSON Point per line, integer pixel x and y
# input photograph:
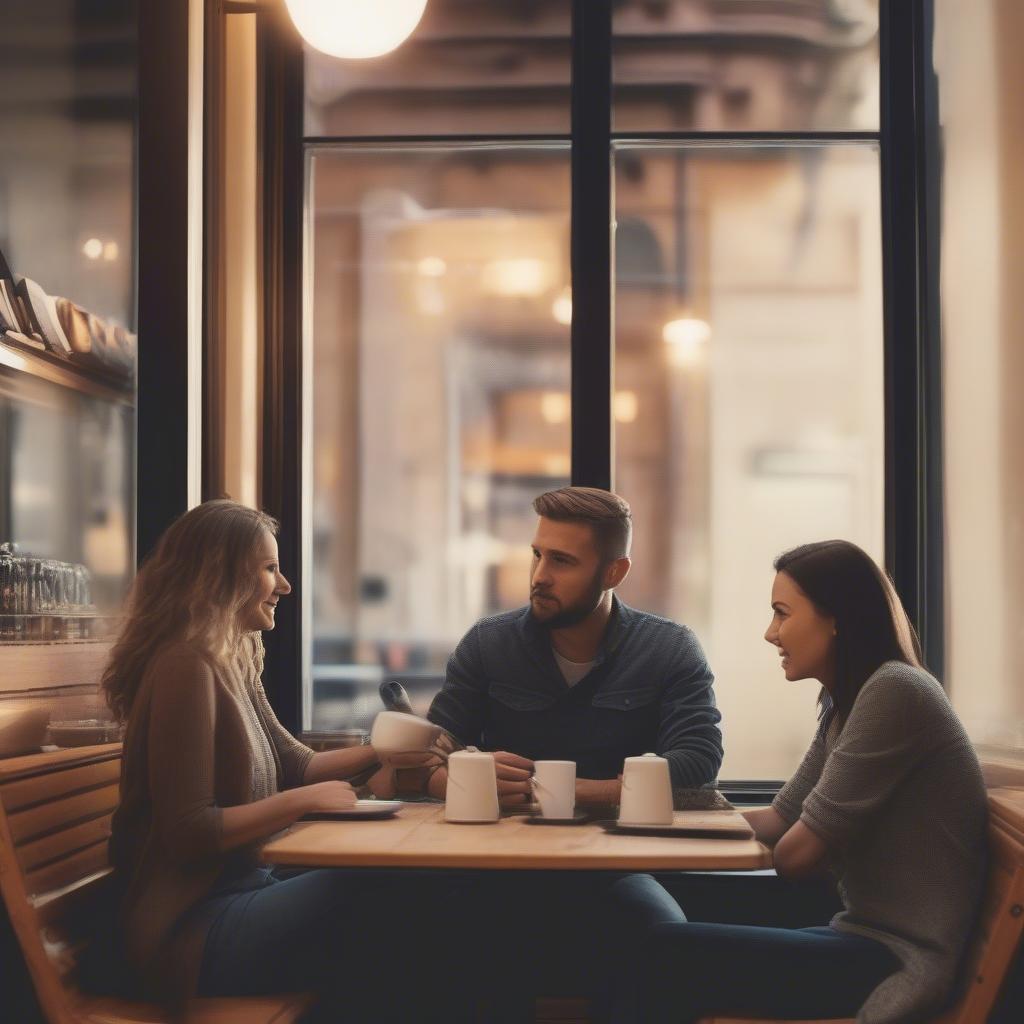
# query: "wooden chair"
{"type": "Point", "coordinates": [989, 957]}
{"type": "Point", "coordinates": [55, 812]}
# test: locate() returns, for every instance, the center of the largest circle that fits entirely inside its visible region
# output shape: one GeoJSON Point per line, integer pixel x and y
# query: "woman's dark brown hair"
{"type": "Point", "coordinates": [872, 626]}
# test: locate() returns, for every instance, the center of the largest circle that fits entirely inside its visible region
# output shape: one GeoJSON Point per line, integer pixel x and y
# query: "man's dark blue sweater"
{"type": "Point", "coordinates": [650, 690]}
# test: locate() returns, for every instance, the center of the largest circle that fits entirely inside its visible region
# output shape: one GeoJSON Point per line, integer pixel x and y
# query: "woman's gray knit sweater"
{"type": "Point", "coordinates": [897, 794]}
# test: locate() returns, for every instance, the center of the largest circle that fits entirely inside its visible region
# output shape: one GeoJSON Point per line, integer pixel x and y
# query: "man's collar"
{"type": "Point", "coordinates": [618, 625]}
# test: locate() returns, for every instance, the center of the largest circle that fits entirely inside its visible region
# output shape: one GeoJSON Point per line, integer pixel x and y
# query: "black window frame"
{"type": "Point", "coordinates": [912, 357]}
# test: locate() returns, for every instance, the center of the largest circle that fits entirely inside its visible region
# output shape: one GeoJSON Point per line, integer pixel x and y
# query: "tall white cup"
{"type": "Point", "coordinates": [646, 791]}
{"type": "Point", "coordinates": [472, 793]}
{"type": "Point", "coordinates": [554, 785]}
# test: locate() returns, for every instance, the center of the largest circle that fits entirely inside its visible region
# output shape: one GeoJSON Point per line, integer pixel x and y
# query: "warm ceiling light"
{"type": "Point", "coordinates": [561, 308]}
{"type": "Point", "coordinates": [355, 28]}
{"type": "Point", "coordinates": [625, 406]}
{"type": "Point", "coordinates": [110, 251]}
{"type": "Point", "coordinates": [686, 338]}
{"type": "Point", "coordinates": [93, 248]}
{"type": "Point", "coordinates": [555, 407]}
{"type": "Point", "coordinates": [557, 465]}
{"type": "Point", "coordinates": [516, 278]}
{"type": "Point", "coordinates": [432, 266]}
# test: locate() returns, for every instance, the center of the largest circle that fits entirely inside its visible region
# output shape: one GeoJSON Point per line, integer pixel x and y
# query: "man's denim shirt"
{"type": "Point", "coordinates": [650, 690]}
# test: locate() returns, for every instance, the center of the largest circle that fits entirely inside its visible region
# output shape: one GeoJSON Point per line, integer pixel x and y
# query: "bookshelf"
{"type": "Point", "coordinates": [56, 371]}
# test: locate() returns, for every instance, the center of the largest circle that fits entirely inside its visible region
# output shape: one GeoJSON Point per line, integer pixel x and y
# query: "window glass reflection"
{"type": "Point", "coordinates": [69, 498]}
{"type": "Point", "coordinates": [68, 108]}
{"type": "Point", "coordinates": [745, 65]}
{"type": "Point", "coordinates": [67, 184]}
{"type": "Point", "coordinates": [749, 341]}
{"type": "Point", "coordinates": [500, 67]}
{"type": "Point", "coordinates": [440, 377]}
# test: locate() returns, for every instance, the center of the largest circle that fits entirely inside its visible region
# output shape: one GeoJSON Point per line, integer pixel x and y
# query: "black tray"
{"type": "Point", "coordinates": [681, 831]}
{"type": "Point", "coordinates": [579, 818]}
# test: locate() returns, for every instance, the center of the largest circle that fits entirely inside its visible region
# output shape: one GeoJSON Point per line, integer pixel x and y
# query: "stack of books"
{"type": "Point", "coordinates": [32, 319]}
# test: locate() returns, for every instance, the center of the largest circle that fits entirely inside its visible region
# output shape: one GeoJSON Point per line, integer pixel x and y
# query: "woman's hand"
{"type": "Point", "coordinates": [261, 818]}
{"type": "Point", "coordinates": [415, 766]}
{"type": "Point", "coordinates": [769, 826]}
{"type": "Point", "coordinates": [327, 796]}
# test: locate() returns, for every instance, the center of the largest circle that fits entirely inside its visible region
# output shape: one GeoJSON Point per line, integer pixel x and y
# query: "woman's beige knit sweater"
{"type": "Point", "coordinates": [200, 737]}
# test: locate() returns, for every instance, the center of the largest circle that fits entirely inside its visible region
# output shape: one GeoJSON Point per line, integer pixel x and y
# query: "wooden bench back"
{"type": "Point", "coordinates": [1001, 919]}
{"type": "Point", "coordinates": [55, 812]}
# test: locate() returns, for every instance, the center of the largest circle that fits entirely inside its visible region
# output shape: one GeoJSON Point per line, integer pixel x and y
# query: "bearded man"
{"type": "Point", "coordinates": [577, 675]}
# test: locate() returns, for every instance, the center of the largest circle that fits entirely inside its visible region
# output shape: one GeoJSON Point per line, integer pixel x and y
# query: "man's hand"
{"type": "Point", "coordinates": [598, 792]}
{"type": "Point", "coordinates": [514, 774]}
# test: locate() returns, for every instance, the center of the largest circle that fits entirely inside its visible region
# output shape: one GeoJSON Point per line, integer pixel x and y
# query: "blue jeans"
{"type": "Point", "coordinates": [374, 945]}
{"type": "Point", "coordinates": [544, 939]}
{"type": "Point", "coordinates": [663, 968]}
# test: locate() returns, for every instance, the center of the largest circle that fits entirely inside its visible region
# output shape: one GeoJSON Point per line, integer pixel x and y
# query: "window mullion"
{"type": "Point", "coordinates": [591, 245]}
{"type": "Point", "coordinates": [913, 487]}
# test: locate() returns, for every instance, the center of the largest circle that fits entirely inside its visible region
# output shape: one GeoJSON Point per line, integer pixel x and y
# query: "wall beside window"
{"type": "Point", "coordinates": [981, 116]}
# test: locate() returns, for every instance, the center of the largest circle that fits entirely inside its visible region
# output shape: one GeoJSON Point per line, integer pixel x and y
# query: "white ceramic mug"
{"type": "Point", "coordinates": [395, 732]}
{"type": "Point", "coordinates": [554, 786]}
{"type": "Point", "coordinates": [472, 793]}
{"type": "Point", "coordinates": [646, 791]}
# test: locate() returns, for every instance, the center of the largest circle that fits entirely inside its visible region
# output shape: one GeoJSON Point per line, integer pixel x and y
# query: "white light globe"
{"type": "Point", "coordinates": [355, 28]}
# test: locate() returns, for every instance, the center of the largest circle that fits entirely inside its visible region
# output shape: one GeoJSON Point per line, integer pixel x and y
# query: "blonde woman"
{"type": "Point", "coordinates": [209, 772]}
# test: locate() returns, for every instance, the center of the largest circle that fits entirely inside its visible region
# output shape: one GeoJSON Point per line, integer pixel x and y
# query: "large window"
{"type": "Point", "coordinates": [440, 400]}
{"type": "Point", "coordinates": [747, 394]}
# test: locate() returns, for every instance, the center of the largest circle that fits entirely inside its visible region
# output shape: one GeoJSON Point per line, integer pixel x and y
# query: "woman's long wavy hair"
{"type": "Point", "coordinates": [872, 626]}
{"type": "Point", "coordinates": [192, 587]}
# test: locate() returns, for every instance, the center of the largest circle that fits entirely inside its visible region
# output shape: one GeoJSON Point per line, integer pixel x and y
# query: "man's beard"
{"type": "Point", "coordinates": [578, 610]}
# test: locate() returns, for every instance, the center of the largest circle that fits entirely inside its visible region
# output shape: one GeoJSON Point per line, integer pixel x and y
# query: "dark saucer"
{"type": "Point", "coordinates": [579, 818]}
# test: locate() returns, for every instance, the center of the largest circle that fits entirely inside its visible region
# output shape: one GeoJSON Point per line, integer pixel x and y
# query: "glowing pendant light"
{"type": "Point", "coordinates": [355, 28]}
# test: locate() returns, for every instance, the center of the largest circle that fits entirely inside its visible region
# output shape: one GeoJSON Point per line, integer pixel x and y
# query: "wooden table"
{"type": "Point", "coordinates": [419, 837]}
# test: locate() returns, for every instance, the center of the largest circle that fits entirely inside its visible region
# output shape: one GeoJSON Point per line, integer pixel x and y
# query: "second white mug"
{"type": "Point", "coordinates": [554, 786]}
{"type": "Point", "coordinates": [646, 791]}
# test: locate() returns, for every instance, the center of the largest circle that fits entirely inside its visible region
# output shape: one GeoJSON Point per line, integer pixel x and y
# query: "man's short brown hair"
{"type": "Point", "coordinates": [608, 516]}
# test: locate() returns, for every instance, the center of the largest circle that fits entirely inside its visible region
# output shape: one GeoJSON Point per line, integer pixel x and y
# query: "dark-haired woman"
{"type": "Point", "coordinates": [889, 796]}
